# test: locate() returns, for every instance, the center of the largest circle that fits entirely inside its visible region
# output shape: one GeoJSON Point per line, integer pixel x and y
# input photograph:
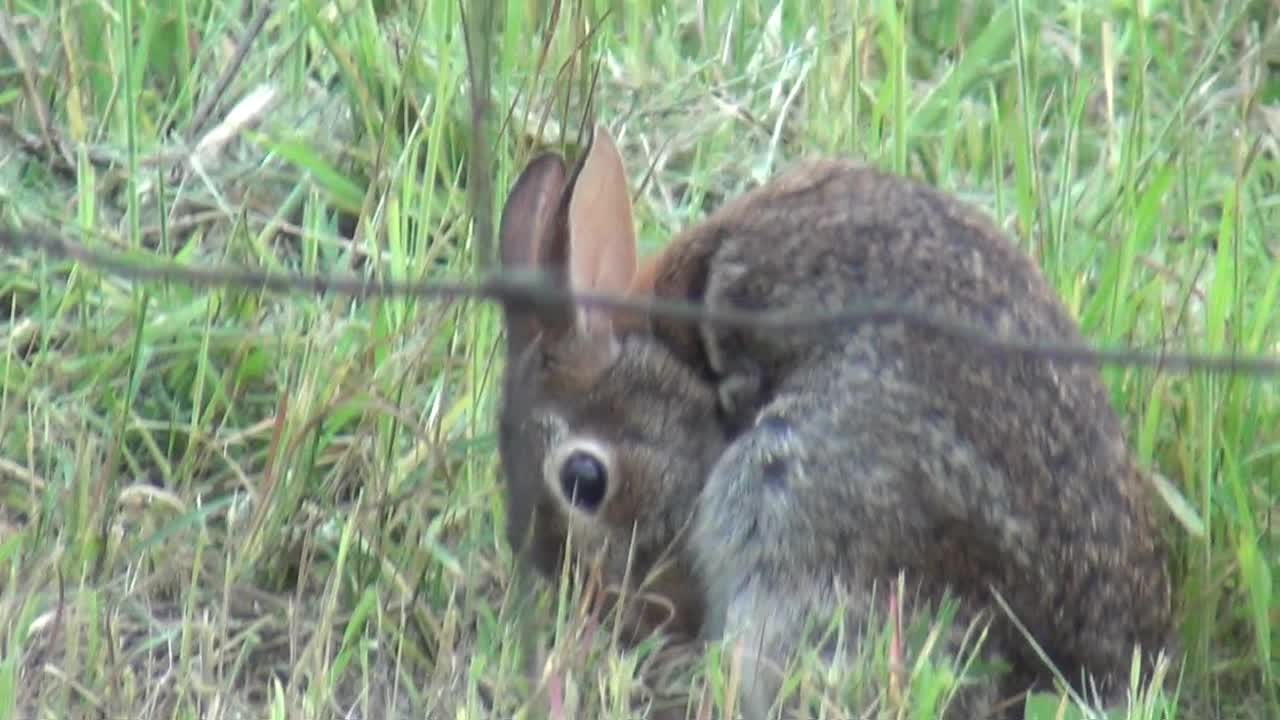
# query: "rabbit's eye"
{"type": "Point", "coordinates": [583, 480]}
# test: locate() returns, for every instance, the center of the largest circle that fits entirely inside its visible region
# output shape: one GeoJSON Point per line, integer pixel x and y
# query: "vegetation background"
{"type": "Point", "coordinates": [224, 503]}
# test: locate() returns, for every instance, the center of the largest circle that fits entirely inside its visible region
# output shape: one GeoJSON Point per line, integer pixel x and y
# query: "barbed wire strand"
{"type": "Point", "coordinates": [532, 289]}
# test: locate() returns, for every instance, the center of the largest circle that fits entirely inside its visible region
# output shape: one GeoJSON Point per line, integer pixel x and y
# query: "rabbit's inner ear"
{"type": "Point", "coordinates": [532, 221]}
{"type": "Point", "coordinates": [602, 242]}
{"type": "Point", "coordinates": [530, 212]}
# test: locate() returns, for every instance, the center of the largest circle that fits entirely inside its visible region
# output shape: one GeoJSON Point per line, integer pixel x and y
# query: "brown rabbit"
{"type": "Point", "coordinates": [786, 474]}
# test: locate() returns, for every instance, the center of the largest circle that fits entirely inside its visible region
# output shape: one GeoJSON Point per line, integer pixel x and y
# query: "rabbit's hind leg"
{"type": "Point", "coordinates": [878, 650]}
{"type": "Point", "coordinates": [800, 516]}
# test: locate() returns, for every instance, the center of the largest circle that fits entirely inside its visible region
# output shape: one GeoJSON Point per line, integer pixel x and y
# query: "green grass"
{"type": "Point", "coordinates": [225, 503]}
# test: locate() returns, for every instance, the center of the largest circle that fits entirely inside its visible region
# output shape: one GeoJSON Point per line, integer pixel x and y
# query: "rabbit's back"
{"type": "Point", "coordinates": [913, 449]}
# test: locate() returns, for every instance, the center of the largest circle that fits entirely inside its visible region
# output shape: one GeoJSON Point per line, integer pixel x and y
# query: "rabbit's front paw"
{"type": "Point", "coordinates": [744, 510]}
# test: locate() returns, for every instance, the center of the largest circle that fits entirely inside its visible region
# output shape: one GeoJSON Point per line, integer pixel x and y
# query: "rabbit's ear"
{"type": "Point", "coordinates": [530, 210]}
{"type": "Point", "coordinates": [531, 237]}
{"type": "Point", "coordinates": [602, 241]}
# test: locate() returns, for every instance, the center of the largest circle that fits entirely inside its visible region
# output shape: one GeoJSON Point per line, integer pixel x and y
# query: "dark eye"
{"type": "Point", "coordinates": [583, 480]}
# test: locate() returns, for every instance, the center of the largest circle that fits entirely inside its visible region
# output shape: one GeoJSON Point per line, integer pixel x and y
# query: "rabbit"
{"type": "Point", "coordinates": [771, 477]}
{"type": "Point", "coordinates": [588, 407]}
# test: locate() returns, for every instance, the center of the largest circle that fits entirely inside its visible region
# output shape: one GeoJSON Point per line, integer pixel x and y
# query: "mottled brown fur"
{"type": "Point", "coordinates": [801, 462]}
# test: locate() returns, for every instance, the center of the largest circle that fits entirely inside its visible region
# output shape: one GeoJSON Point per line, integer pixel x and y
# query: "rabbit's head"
{"type": "Point", "coordinates": [605, 436]}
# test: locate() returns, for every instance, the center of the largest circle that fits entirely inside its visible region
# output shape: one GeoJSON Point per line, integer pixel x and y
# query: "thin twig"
{"type": "Point", "coordinates": [478, 39]}
{"type": "Point", "coordinates": [201, 116]}
{"type": "Point", "coordinates": [530, 289]}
